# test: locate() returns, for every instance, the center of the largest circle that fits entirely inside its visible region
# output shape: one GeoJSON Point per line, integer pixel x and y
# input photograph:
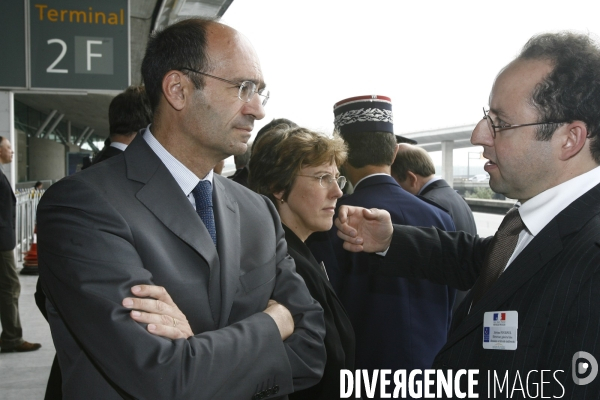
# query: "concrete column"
{"type": "Point", "coordinates": [448, 162]}
{"type": "Point", "coordinates": [7, 129]}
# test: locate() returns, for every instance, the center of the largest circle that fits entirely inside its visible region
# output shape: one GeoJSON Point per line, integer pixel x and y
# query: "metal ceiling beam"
{"type": "Point", "coordinates": [86, 137]}
{"type": "Point", "coordinates": [54, 125]}
{"type": "Point", "coordinates": [81, 135]}
{"type": "Point", "coordinates": [46, 122]}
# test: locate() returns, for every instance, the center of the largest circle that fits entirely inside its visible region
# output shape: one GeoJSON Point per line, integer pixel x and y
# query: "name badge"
{"type": "Point", "coordinates": [500, 330]}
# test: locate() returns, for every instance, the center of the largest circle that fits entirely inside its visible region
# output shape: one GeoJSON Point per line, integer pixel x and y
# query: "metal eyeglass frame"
{"type": "Point", "coordinates": [245, 84]}
{"type": "Point", "coordinates": [340, 180]}
{"type": "Point", "coordinates": [493, 127]}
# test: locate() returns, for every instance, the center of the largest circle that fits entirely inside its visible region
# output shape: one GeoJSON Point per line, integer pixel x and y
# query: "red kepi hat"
{"type": "Point", "coordinates": [371, 113]}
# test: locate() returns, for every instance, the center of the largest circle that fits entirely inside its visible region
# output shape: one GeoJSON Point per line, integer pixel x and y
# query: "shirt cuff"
{"type": "Point", "coordinates": [382, 253]}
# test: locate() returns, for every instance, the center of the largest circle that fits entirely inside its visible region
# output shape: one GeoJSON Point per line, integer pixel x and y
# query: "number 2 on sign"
{"type": "Point", "coordinates": [51, 68]}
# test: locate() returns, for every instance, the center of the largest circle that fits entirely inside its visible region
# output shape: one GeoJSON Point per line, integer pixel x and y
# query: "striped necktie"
{"type": "Point", "coordinates": [499, 252]}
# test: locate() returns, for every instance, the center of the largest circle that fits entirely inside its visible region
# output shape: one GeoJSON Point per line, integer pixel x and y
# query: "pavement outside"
{"type": "Point", "coordinates": [23, 376]}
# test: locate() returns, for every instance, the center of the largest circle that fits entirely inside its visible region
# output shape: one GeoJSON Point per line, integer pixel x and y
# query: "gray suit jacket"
{"type": "Point", "coordinates": [127, 222]}
{"type": "Point", "coordinates": [441, 193]}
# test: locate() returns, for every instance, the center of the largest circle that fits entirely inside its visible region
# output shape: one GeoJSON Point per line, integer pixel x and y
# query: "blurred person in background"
{"type": "Point", "coordinates": [241, 168]}
{"type": "Point", "coordinates": [10, 287]}
{"type": "Point", "coordinates": [413, 169]}
{"type": "Point", "coordinates": [298, 170]}
{"type": "Point", "coordinates": [128, 112]}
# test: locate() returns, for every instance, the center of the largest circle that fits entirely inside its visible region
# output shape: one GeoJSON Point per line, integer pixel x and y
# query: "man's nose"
{"type": "Point", "coordinates": [482, 136]}
{"type": "Point", "coordinates": [255, 107]}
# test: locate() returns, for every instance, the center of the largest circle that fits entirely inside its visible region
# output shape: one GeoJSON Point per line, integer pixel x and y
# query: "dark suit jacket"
{"type": "Point", "coordinates": [399, 323]}
{"type": "Point", "coordinates": [553, 285]}
{"type": "Point", "coordinates": [240, 176]}
{"type": "Point", "coordinates": [106, 153]}
{"type": "Point", "coordinates": [441, 193]}
{"type": "Point", "coordinates": [339, 335]}
{"type": "Point", "coordinates": [7, 214]}
{"type": "Point", "coordinates": [126, 222]}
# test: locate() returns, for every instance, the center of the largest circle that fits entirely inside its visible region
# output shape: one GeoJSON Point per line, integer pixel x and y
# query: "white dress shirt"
{"type": "Point", "coordinates": [368, 176]}
{"type": "Point", "coordinates": [118, 145]}
{"type": "Point", "coordinates": [538, 211]}
{"type": "Point", "coordinates": [186, 179]}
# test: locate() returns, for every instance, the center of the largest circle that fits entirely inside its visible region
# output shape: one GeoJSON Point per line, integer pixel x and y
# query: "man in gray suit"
{"type": "Point", "coordinates": [534, 308]}
{"type": "Point", "coordinates": [413, 169]}
{"type": "Point", "coordinates": [239, 322]}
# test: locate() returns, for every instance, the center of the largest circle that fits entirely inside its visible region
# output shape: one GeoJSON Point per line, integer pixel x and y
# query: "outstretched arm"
{"type": "Point", "coordinates": [362, 229]}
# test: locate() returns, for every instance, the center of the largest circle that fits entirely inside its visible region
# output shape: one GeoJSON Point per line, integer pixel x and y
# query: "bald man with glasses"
{"type": "Point", "coordinates": [155, 289]}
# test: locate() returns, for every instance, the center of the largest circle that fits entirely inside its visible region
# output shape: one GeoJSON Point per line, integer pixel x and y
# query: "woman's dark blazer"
{"type": "Point", "coordinates": [339, 335]}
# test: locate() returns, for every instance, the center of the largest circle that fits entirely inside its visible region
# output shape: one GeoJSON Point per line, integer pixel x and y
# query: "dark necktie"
{"type": "Point", "coordinates": [499, 252]}
{"type": "Point", "coordinates": [203, 197]}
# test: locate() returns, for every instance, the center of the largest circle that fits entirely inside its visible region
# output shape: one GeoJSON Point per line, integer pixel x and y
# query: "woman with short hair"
{"type": "Point", "coordinates": [298, 170]}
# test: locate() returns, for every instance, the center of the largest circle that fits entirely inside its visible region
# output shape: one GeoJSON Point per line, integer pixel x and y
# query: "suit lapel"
{"type": "Point", "coordinates": [543, 248]}
{"type": "Point", "coordinates": [227, 220]}
{"type": "Point", "coordinates": [164, 198]}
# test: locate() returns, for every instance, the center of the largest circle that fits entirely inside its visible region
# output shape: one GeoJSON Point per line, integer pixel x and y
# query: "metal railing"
{"type": "Point", "coordinates": [27, 202]}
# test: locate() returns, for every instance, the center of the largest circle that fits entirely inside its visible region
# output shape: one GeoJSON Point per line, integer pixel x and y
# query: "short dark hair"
{"type": "Point", "coordinates": [370, 148]}
{"type": "Point", "coordinates": [413, 159]}
{"type": "Point", "coordinates": [129, 111]}
{"type": "Point", "coordinates": [283, 151]}
{"type": "Point", "coordinates": [1, 139]}
{"type": "Point", "coordinates": [181, 45]}
{"type": "Point", "coordinates": [275, 122]}
{"type": "Point", "coordinates": [571, 92]}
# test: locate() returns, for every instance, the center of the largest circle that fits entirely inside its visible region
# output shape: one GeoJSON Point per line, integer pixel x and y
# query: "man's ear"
{"type": "Point", "coordinates": [395, 153]}
{"type": "Point", "coordinates": [412, 179]}
{"type": "Point", "coordinates": [572, 139]}
{"type": "Point", "coordinates": [174, 85]}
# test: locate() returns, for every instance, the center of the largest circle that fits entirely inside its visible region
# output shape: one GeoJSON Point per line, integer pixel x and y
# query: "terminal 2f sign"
{"type": "Point", "coordinates": [79, 44]}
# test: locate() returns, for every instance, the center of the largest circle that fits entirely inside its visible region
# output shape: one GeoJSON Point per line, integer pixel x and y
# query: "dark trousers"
{"type": "Point", "coordinates": [10, 289]}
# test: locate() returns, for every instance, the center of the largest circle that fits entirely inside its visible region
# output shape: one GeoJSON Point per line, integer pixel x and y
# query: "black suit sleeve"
{"type": "Point", "coordinates": [580, 332]}
{"type": "Point", "coordinates": [448, 258]}
{"type": "Point", "coordinates": [305, 348]}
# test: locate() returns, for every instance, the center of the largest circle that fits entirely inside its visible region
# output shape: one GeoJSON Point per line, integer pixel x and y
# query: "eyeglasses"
{"type": "Point", "coordinates": [327, 180]}
{"type": "Point", "coordinates": [247, 89]}
{"type": "Point", "coordinates": [492, 127]}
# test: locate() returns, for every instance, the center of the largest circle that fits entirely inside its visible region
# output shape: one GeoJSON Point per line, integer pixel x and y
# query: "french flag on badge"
{"type": "Point", "coordinates": [499, 316]}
